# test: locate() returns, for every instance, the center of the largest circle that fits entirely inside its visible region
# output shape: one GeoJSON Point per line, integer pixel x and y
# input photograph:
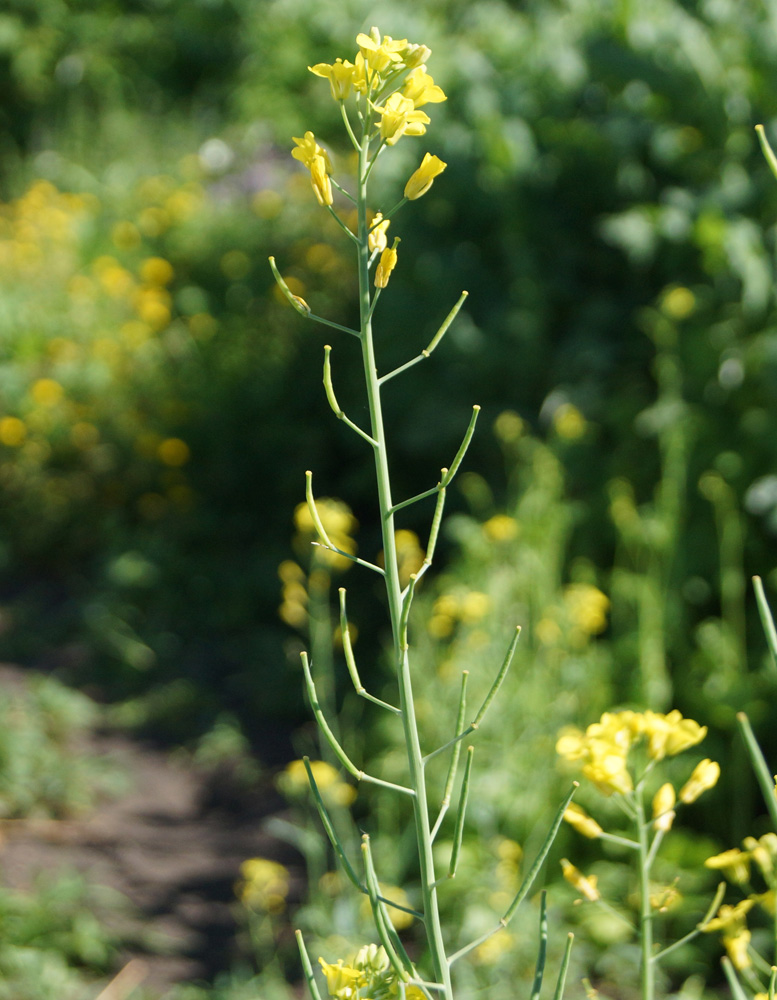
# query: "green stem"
{"type": "Point", "coordinates": [647, 970]}
{"type": "Point", "coordinates": [394, 593]}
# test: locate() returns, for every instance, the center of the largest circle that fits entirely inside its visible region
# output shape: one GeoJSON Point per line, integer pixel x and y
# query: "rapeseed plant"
{"type": "Point", "coordinates": [386, 85]}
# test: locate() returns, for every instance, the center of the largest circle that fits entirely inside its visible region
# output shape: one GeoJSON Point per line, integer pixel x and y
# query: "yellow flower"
{"type": "Point", "coordinates": [663, 807]}
{"type": "Point", "coordinates": [264, 885]}
{"type": "Point", "coordinates": [579, 820]}
{"type": "Point", "coordinates": [386, 264]}
{"type": "Point", "coordinates": [763, 851]}
{"type": "Point", "coordinates": [734, 864]}
{"type": "Point", "coordinates": [421, 88]}
{"type": "Point", "coordinates": [736, 945]}
{"type": "Point", "coordinates": [410, 555]}
{"type": "Point", "coordinates": [316, 159]}
{"type": "Point", "coordinates": [47, 392]}
{"type": "Point", "coordinates": [423, 178]}
{"type": "Point", "coordinates": [380, 54]}
{"type": "Point", "coordinates": [342, 981]}
{"type": "Point", "coordinates": [376, 238]}
{"type": "Point", "coordinates": [500, 528]}
{"type": "Point", "coordinates": [704, 776]}
{"type": "Point", "coordinates": [399, 117]}
{"type": "Point", "coordinates": [729, 918]}
{"type": "Point", "coordinates": [173, 452]}
{"type": "Point", "coordinates": [568, 422]}
{"type": "Point", "coordinates": [585, 885]}
{"type": "Point", "coordinates": [339, 74]}
{"type": "Point", "coordinates": [670, 734]}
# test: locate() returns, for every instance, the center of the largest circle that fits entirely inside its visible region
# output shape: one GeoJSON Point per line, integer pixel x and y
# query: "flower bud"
{"type": "Point", "coordinates": [386, 264]}
{"type": "Point", "coordinates": [579, 820]}
{"type": "Point", "coordinates": [663, 811]}
{"type": "Point", "coordinates": [704, 776]}
{"type": "Point", "coordinates": [422, 179]}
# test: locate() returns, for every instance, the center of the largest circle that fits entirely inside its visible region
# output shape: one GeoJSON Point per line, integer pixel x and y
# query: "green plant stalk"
{"type": "Point", "coordinates": [647, 970]}
{"type": "Point", "coordinates": [393, 591]}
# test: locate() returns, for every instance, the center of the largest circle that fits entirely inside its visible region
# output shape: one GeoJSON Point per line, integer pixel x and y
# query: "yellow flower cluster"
{"type": "Point", "coordinates": [390, 83]}
{"type": "Point", "coordinates": [736, 866]}
{"type": "Point", "coordinates": [365, 976]}
{"type": "Point", "coordinates": [604, 747]}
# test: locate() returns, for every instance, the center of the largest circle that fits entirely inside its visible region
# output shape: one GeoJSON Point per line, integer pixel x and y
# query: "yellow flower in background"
{"type": "Point", "coordinates": [704, 776]}
{"type": "Point", "coordinates": [579, 820]}
{"type": "Point", "coordinates": [670, 734]}
{"type": "Point", "coordinates": [47, 392]}
{"type": "Point", "coordinates": [410, 555]}
{"type": "Point", "coordinates": [377, 238]}
{"type": "Point", "coordinates": [763, 851]}
{"type": "Point", "coordinates": [338, 522]}
{"type": "Point", "coordinates": [678, 302]}
{"type": "Point", "coordinates": [423, 178]}
{"type": "Point", "coordinates": [587, 606]}
{"type": "Point", "coordinates": [264, 885]}
{"type": "Point", "coordinates": [293, 782]}
{"type": "Point", "coordinates": [173, 452]}
{"type": "Point", "coordinates": [386, 264]}
{"type": "Point", "coordinates": [13, 432]}
{"type": "Point", "coordinates": [568, 422]}
{"type": "Point", "coordinates": [737, 944]}
{"type": "Point", "coordinates": [585, 885]}
{"type": "Point", "coordinates": [734, 864]}
{"type": "Point", "coordinates": [340, 75]}
{"type": "Point", "coordinates": [500, 528]}
{"type": "Point", "coordinates": [400, 919]}
{"type": "Point", "coordinates": [421, 89]}
{"type": "Point", "coordinates": [156, 271]}
{"type": "Point", "coordinates": [663, 807]}
{"type": "Point", "coordinates": [399, 117]}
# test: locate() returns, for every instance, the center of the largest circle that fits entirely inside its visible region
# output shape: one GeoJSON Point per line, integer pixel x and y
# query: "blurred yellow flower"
{"type": "Point", "coordinates": [587, 607]}
{"type": "Point", "coordinates": [704, 776]}
{"type": "Point", "coordinates": [125, 236]}
{"type": "Point", "coordinates": [500, 528]}
{"type": "Point", "coordinates": [13, 431]}
{"type": "Point", "coordinates": [585, 885]}
{"type": "Point", "coordinates": [568, 422]}
{"type": "Point", "coordinates": [47, 392]}
{"type": "Point", "coordinates": [293, 782]}
{"type": "Point", "coordinates": [734, 864]}
{"type": "Point", "coordinates": [173, 452]}
{"type": "Point", "coordinates": [579, 820]}
{"type": "Point", "coordinates": [663, 807]}
{"type": "Point", "coordinates": [678, 302]}
{"type": "Point", "coordinates": [508, 426]}
{"type": "Point", "coordinates": [156, 271]}
{"type": "Point", "coordinates": [410, 555]}
{"type": "Point", "coordinates": [264, 885]}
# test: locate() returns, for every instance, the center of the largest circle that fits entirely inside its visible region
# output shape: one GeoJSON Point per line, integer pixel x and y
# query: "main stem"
{"type": "Point", "coordinates": [394, 594]}
{"type": "Point", "coordinates": [647, 971]}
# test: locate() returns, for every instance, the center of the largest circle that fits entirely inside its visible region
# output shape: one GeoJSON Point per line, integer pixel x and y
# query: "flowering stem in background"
{"type": "Point", "coordinates": [647, 971]}
{"type": "Point", "coordinates": [762, 772]}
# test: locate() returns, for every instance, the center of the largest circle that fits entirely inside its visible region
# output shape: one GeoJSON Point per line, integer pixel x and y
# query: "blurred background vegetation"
{"type": "Point", "coordinates": [609, 212]}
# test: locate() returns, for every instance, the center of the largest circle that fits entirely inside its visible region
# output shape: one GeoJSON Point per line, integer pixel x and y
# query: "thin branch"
{"type": "Point", "coordinates": [542, 951]}
{"type": "Point", "coordinates": [525, 885]}
{"type": "Point", "coordinates": [330, 831]}
{"type": "Point", "coordinates": [382, 922]}
{"type": "Point", "coordinates": [332, 400]}
{"type": "Point", "coordinates": [432, 343]}
{"type": "Point", "coordinates": [342, 190]}
{"type": "Point", "coordinates": [326, 542]}
{"type": "Point", "coordinates": [301, 305]}
{"type": "Point", "coordinates": [768, 152]}
{"type": "Point", "coordinates": [762, 772]}
{"type": "Point", "coordinates": [712, 909]}
{"type": "Point", "coordinates": [454, 764]}
{"type": "Point", "coordinates": [331, 739]}
{"type": "Point", "coordinates": [463, 448]}
{"type": "Point", "coordinates": [433, 533]}
{"type": "Point", "coordinates": [766, 618]}
{"type": "Point", "coordinates": [459, 830]}
{"type": "Point", "coordinates": [499, 678]}
{"type": "Point", "coordinates": [341, 224]}
{"type": "Point", "coordinates": [562, 973]}
{"type": "Point", "coordinates": [307, 968]}
{"type": "Point", "coordinates": [348, 129]}
{"type": "Point", "coordinates": [350, 660]}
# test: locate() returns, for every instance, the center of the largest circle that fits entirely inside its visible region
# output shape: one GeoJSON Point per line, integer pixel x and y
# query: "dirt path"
{"type": "Point", "coordinates": [166, 847]}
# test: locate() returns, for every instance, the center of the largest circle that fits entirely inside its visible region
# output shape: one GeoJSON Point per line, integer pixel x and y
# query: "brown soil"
{"type": "Point", "coordinates": [172, 845]}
